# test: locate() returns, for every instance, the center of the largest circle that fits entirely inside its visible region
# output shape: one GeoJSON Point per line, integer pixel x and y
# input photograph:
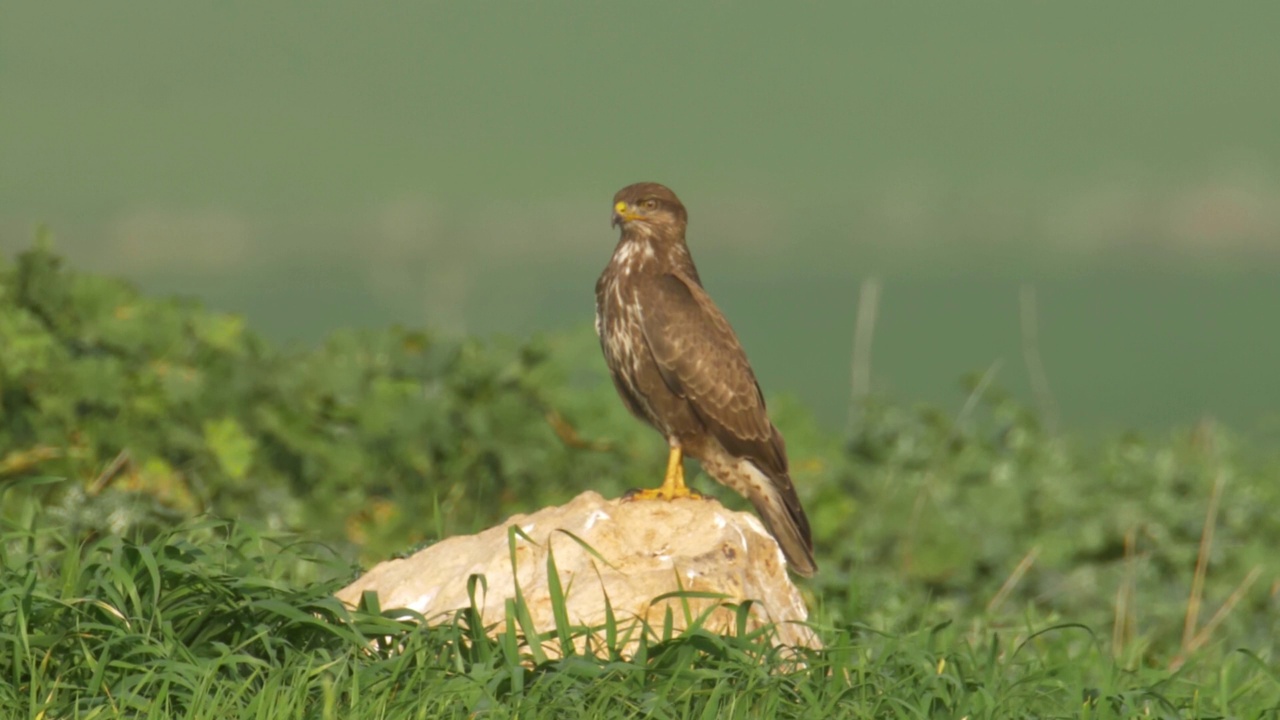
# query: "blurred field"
{"type": "Point", "coordinates": [320, 166]}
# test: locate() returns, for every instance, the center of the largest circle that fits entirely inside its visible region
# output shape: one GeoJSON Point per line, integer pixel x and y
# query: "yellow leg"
{"type": "Point", "coordinates": [673, 487]}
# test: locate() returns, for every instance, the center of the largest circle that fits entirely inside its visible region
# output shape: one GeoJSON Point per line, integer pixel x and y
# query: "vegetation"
{"type": "Point", "coordinates": [180, 498]}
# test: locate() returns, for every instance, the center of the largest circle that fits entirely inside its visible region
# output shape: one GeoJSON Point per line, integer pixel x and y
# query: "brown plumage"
{"type": "Point", "coordinates": [678, 366]}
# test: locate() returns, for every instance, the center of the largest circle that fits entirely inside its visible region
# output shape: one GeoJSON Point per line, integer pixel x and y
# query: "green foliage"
{"type": "Point", "coordinates": [971, 563]}
{"type": "Point", "coordinates": [953, 506]}
{"type": "Point", "coordinates": [374, 439]}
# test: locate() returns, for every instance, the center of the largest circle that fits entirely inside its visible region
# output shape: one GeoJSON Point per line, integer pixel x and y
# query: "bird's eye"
{"type": "Point", "coordinates": [651, 204]}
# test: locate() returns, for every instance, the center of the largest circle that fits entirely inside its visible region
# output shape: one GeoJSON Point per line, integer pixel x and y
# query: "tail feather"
{"type": "Point", "coordinates": [779, 508]}
{"type": "Point", "coordinates": [777, 504]}
{"type": "Point", "coordinates": [774, 498]}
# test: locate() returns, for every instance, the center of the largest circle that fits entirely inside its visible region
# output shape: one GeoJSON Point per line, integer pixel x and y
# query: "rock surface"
{"type": "Point", "coordinates": [649, 548]}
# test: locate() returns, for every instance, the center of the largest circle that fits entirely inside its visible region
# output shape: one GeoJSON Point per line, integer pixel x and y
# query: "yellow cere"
{"type": "Point", "coordinates": [620, 207]}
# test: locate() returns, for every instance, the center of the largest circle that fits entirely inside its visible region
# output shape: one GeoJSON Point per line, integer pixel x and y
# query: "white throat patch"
{"type": "Point", "coordinates": [631, 252]}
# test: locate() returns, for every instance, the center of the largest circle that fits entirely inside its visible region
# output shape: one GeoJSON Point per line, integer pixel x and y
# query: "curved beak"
{"type": "Point", "coordinates": [622, 214]}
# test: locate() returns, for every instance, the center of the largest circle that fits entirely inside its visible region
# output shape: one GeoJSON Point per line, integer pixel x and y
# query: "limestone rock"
{"type": "Point", "coordinates": [651, 548]}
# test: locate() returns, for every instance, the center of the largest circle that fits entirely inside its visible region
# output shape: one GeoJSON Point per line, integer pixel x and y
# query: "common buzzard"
{"type": "Point", "coordinates": [679, 367]}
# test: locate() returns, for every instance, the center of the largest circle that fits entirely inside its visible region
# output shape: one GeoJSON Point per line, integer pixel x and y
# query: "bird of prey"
{"type": "Point", "coordinates": [679, 367]}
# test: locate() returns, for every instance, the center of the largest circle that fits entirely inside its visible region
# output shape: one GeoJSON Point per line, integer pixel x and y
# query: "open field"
{"type": "Point", "coordinates": [973, 564]}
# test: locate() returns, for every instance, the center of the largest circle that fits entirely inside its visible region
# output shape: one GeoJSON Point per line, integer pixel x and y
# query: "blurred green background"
{"type": "Point", "coordinates": [315, 165]}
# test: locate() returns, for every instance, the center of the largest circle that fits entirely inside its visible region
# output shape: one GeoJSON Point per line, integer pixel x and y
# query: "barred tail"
{"type": "Point", "coordinates": [779, 507]}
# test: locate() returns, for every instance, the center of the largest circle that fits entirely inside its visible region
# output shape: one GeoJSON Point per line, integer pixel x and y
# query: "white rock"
{"type": "Point", "coordinates": [651, 547]}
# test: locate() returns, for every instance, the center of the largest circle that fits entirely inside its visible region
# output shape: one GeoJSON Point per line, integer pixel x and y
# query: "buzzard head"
{"type": "Point", "coordinates": [649, 208]}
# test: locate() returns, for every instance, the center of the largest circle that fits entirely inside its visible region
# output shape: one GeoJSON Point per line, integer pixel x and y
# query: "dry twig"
{"type": "Point", "coordinates": [864, 328]}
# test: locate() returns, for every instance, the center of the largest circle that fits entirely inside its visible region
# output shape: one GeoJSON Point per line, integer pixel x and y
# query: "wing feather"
{"type": "Point", "coordinates": [701, 360]}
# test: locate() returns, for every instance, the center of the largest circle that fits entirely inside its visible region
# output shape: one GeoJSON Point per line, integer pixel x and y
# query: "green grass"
{"type": "Point", "coordinates": [214, 619]}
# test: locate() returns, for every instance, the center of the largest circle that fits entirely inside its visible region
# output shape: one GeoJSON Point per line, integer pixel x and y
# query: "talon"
{"type": "Point", "coordinates": [673, 487]}
{"type": "Point", "coordinates": [660, 494]}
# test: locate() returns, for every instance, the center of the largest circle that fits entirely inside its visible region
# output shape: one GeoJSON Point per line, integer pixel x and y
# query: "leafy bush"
{"type": "Point", "coordinates": [987, 515]}
{"type": "Point", "coordinates": [378, 439]}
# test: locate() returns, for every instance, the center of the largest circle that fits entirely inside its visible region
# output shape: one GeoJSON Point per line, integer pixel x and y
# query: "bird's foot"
{"type": "Point", "coordinates": [662, 493]}
{"type": "Point", "coordinates": [673, 487]}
